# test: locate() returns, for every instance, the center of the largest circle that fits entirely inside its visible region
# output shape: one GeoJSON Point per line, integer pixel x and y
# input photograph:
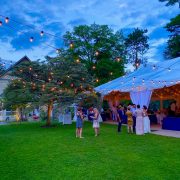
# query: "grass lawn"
{"type": "Point", "coordinates": [28, 151]}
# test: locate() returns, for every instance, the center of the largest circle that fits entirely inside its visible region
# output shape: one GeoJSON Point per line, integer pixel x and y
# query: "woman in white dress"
{"type": "Point", "coordinates": [139, 121]}
{"type": "Point", "coordinates": [147, 128]}
{"type": "Point", "coordinates": [96, 121]}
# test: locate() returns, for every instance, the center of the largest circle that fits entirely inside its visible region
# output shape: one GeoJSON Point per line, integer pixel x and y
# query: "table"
{"type": "Point", "coordinates": [171, 123]}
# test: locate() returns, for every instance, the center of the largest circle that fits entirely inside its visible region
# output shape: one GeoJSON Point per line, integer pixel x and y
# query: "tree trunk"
{"type": "Point", "coordinates": [50, 106]}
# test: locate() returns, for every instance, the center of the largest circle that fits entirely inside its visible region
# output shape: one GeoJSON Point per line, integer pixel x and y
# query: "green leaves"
{"type": "Point", "coordinates": [136, 46]}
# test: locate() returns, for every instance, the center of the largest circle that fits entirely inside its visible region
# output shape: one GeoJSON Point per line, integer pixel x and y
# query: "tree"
{"type": "Point", "coordinates": [15, 96]}
{"type": "Point", "coordinates": [95, 43]}
{"type": "Point", "coordinates": [57, 80]}
{"type": "Point", "coordinates": [137, 45]}
{"type": "Point", "coordinates": [173, 44]}
{"type": "Point", "coordinates": [171, 2]}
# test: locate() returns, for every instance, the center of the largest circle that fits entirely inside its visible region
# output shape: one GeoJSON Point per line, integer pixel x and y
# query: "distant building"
{"type": "Point", "coordinates": [6, 78]}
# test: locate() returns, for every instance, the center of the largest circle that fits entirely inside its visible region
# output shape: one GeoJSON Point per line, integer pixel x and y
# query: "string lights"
{"type": "Point", "coordinates": [7, 20]}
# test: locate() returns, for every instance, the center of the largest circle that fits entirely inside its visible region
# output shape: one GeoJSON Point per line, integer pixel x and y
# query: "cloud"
{"type": "Point", "coordinates": [57, 17]}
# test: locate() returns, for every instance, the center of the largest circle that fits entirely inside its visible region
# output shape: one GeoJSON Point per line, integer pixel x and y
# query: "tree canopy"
{"type": "Point", "coordinates": [94, 45]}
{"type": "Point", "coordinates": [57, 80]}
{"type": "Point", "coordinates": [137, 45]}
{"type": "Point", "coordinates": [170, 2]}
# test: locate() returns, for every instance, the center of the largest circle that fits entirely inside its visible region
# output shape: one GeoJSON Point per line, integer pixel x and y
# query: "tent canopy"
{"type": "Point", "coordinates": [150, 77]}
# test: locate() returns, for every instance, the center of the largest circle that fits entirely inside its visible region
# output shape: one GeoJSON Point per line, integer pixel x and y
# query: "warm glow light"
{"type": "Point", "coordinates": [111, 73]}
{"type": "Point", "coordinates": [96, 53]}
{"type": "Point", "coordinates": [118, 59]}
{"type": "Point", "coordinates": [77, 60]}
{"type": "Point", "coordinates": [31, 39]}
{"type": "Point", "coordinates": [6, 19]}
{"type": "Point", "coordinates": [71, 45]}
{"type": "Point", "coordinates": [30, 68]}
{"type": "Point", "coordinates": [42, 33]}
{"type": "Point", "coordinates": [97, 80]}
{"type": "Point", "coordinates": [94, 67]}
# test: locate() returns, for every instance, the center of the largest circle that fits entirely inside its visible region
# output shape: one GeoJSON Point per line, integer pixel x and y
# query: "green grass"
{"type": "Point", "coordinates": [28, 151]}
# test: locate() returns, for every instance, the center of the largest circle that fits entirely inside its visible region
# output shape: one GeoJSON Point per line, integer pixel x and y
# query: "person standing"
{"type": "Point", "coordinates": [120, 113]}
{"type": "Point", "coordinates": [96, 121]}
{"type": "Point", "coordinates": [147, 128]}
{"type": "Point", "coordinates": [129, 121]}
{"type": "Point", "coordinates": [79, 123]}
{"type": "Point", "coordinates": [139, 121]}
{"type": "Point", "coordinates": [133, 109]}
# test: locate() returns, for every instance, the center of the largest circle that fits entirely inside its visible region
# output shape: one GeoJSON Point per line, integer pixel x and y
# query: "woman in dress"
{"type": "Point", "coordinates": [146, 120]}
{"type": "Point", "coordinates": [139, 121]}
{"type": "Point", "coordinates": [79, 123]}
{"type": "Point", "coordinates": [96, 121]}
{"type": "Point", "coordinates": [129, 121]}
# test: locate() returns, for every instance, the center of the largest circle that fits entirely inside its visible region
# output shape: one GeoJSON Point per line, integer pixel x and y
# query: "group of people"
{"type": "Point", "coordinates": [95, 116]}
{"type": "Point", "coordinates": [137, 119]}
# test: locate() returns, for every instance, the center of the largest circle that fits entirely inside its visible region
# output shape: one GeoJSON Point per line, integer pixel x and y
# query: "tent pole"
{"type": "Point", "coordinates": [161, 104]}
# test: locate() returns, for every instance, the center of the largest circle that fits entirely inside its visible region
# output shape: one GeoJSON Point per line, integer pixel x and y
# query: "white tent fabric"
{"type": "Point", "coordinates": [159, 75]}
{"type": "Point", "coordinates": [141, 97]}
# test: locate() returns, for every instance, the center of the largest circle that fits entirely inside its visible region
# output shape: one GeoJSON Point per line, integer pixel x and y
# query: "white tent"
{"type": "Point", "coordinates": [142, 82]}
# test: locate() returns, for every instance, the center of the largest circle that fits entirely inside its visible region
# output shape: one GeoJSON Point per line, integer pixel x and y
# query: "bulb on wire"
{"type": "Point", "coordinates": [154, 67]}
{"type": "Point", "coordinates": [42, 33]}
{"type": "Point", "coordinates": [6, 19]}
{"type": "Point", "coordinates": [169, 69]}
{"type": "Point", "coordinates": [96, 53]}
{"type": "Point", "coordinates": [118, 59]}
{"type": "Point", "coordinates": [1, 23]}
{"type": "Point", "coordinates": [57, 51]}
{"type": "Point", "coordinates": [77, 60]}
{"type": "Point", "coordinates": [31, 39]}
{"type": "Point", "coordinates": [94, 67]}
{"type": "Point", "coordinates": [71, 45]}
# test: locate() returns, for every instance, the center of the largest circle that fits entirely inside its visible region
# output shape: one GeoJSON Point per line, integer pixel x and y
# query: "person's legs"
{"type": "Point", "coordinates": [131, 129]}
{"type": "Point", "coordinates": [128, 128]}
{"type": "Point", "coordinates": [119, 126]}
{"type": "Point", "coordinates": [96, 131]}
{"type": "Point", "coordinates": [134, 124]}
{"type": "Point", "coordinates": [80, 133]}
{"type": "Point", "coordinates": [77, 132]}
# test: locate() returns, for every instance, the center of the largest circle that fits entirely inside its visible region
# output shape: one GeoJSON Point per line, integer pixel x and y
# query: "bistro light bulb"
{"type": "Point", "coordinates": [96, 53]}
{"type": "Point", "coordinates": [31, 39]}
{"type": "Point", "coordinates": [71, 45]}
{"type": "Point", "coordinates": [0, 23]}
{"type": "Point", "coordinates": [169, 69]}
{"type": "Point", "coordinates": [97, 80]}
{"type": "Point", "coordinates": [118, 59]}
{"type": "Point", "coordinates": [94, 67]}
{"type": "Point", "coordinates": [154, 67]}
{"type": "Point", "coordinates": [6, 19]}
{"type": "Point", "coordinates": [57, 51]}
{"type": "Point", "coordinates": [42, 33]}
{"type": "Point", "coordinates": [77, 60]}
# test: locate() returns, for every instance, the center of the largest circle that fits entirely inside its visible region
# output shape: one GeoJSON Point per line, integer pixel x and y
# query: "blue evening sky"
{"type": "Point", "coordinates": [58, 16]}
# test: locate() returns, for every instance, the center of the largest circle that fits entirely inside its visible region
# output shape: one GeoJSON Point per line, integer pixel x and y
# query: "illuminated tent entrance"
{"type": "Point", "coordinates": [157, 82]}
